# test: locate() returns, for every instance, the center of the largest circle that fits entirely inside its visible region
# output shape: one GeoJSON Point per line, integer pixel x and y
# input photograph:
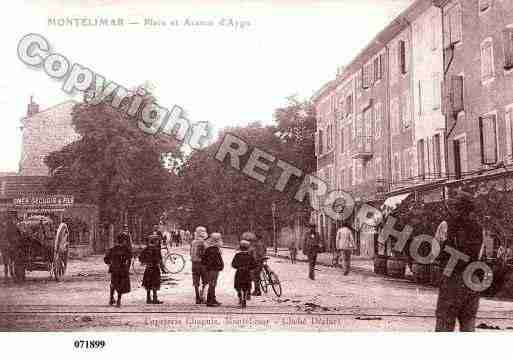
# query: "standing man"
{"type": "Point", "coordinates": [345, 245]}
{"type": "Point", "coordinates": [258, 251]}
{"type": "Point", "coordinates": [456, 300]}
{"type": "Point", "coordinates": [311, 248]}
{"type": "Point", "coordinates": [213, 262]}
{"type": "Point", "coordinates": [293, 248]}
{"type": "Point", "coordinates": [198, 269]}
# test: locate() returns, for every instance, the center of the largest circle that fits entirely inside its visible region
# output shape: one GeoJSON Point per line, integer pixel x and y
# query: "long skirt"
{"type": "Point", "coordinates": [120, 281]}
{"type": "Point", "coordinates": [151, 278]}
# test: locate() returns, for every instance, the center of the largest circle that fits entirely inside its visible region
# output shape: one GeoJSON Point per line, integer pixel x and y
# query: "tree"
{"type": "Point", "coordinates": [114, 164]}
{"type": "Point", "coordinates": [227, 200]}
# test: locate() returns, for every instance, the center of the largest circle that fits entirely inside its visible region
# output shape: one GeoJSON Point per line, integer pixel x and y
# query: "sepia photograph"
{"type": "Point", "coordinates": [255, 167]}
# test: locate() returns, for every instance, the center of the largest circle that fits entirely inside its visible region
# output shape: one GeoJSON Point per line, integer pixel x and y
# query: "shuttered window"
{"type": "Point", "coordinates": [402, 56]}
{"type": "Point", "coordinates": [488, 132]}
{"type": "Point", "coordinates": [378, 123]}
{"type": "Point", "coordinates": [487, 70]}
{"type": "Point", "coordinates": [508, 48]}
{"type": "Point", "coordinates": [509, 134]}
{"type": "Point", "coordinates": [405, 110]}
{"type": "Point", "coordinates": [452, 25]}
{"type": "Point", "coordinates": [437, 155]}
{"type": "Point", "coordinates": [420, 158]}
{"type": "Point", "coordinates": [349, 104]}
{"type": "Point", "coordinates": [320, 149]}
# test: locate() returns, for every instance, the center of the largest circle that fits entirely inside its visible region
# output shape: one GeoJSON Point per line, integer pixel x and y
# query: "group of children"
{"type": "Point", "coordinates": [119, 259]}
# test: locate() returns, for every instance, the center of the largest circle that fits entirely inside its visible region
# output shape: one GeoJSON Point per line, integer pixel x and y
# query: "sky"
{"type": "Point", "coordinates": [221, 74]}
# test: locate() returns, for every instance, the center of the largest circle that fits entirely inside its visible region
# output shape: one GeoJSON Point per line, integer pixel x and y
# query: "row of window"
{"type": "Point", "coordinates": [359, 172]}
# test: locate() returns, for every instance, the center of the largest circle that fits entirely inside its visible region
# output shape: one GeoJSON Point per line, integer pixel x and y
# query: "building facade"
{"type": "Point", "coordinates": [43, 132]}
{"type": "Point", "coordinates": [478, 86]}
{"type": "Point", "coordinates": [378, 121]}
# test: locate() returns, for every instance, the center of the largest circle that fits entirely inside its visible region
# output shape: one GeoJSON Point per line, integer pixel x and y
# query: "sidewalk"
{"type": "Point", "coordinates": [325, 259]}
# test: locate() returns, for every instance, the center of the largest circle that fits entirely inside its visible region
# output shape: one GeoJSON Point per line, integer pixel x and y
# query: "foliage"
{"type": "Point", "coordinates": [114, 164]}
{"type": "Point", "coordinates": [225, 199]}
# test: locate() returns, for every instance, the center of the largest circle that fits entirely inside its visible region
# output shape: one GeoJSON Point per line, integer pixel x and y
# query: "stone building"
{"type": "Point", "coordinates": [373, 115]}
{"type": "Point", "coordinates": [44, 131]}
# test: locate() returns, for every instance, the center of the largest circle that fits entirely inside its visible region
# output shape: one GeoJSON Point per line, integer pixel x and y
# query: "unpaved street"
{"type": "Point", "coordinates": [359, 301]}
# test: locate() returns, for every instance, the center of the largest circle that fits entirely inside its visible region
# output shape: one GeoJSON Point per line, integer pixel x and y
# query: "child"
{"type": "Point", "coordinates": [118, 258]}
{"type": "Point", "coordinates": [244, 263]}
{"type": "Point", "coordinates": [151, 257]}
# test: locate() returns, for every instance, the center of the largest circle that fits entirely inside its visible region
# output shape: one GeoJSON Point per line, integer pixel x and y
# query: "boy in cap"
{"type": "Point", "coordinates": [198, 269]}
{"type": "Point", "coordinates": [244, 263]}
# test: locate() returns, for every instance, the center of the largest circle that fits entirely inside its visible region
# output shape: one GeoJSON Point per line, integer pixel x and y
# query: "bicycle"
{"type": "Point", "coordinates": [173, 262]}
{"type": "Point", "coordinates": [269, 278]}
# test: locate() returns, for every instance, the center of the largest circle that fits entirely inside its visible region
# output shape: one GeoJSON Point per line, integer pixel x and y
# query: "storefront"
{"type": "Point", "coordinates": [82, 219]}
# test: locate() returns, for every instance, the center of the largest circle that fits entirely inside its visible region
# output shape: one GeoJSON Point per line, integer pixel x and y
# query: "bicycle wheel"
{"type": "Point", "coordinates": [264, 282]}
{"type": "Point", "coordinates": [174, 263]}
{"type": "Point", "coordinates": [275, 283]}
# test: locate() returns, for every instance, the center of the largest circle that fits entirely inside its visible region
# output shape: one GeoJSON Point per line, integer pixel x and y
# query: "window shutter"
{"type": "Point", "coordinates": [320, 142]}
{"type": "Point", "coordinates": [456, 94]}
{"type": "Point", "coordinates": [362, 76]}
{"type": "Point", "coordinates": [508, 48]}
{"type": "Point", "coordinates": [317, 144]}
{"type": "Point", "coordinates": [402, 56]}
{"type": "Point", "coordinates": [455, 14]}
{"type": "Point", "coordinates": [509, 144]}
{"type": "Point", "coordinates": [377, 69]}
{"type": "Point", "coordinates": [420, 97]}
{"type": "Point", "coordinates": [447, 29]}
{"type": "Point", "coordinates": [381, 66]}
{"type": "Point", "coordinates": [487, 129]}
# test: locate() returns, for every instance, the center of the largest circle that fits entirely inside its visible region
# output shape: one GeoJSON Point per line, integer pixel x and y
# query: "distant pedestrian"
{"type": "Point", "coordinates": [151, 258]}
{"type": "Point", "coordinates": [213, 262]}
{"type": "Point", "coordinates": [456, 301]}
{"type": "Point", "coordinates": [312, 247]}
{"type": "Point", "coordinates": [199, 275]}
{"type": "Point", "coordinates": [125, 237]}
{"type": "Point", "coordinates": [119, 258]}
{"type": "Point", "coordinates": [345, 245]}
{"type": "Point", "coordinates": [244, 263]}
{"type": "Point", "coordinates": [258, 251]}
{"type": "Point", "coordinates": [293, 247]}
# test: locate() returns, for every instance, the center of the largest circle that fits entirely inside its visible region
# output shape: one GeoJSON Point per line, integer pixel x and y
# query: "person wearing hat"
{"type": "Point", "coordinates": [456, 301]}
{"type": "Point", "coordinates": [311, 248]}
{"type": "Point", "coordinates": [198, 269]}
{"type": "Point", "coordinates": [213, 262]}
{"type": "Point", "coordinates": [125, 238]}
{"type": "Point", "coordinates": [152, 259]}
{"type": "Point", "coordinates": [244, 263]}
{"type": "Point", "coordinates": [118, 258]}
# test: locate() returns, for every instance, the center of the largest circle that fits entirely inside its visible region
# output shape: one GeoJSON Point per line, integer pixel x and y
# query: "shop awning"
{"type": "Point", "coordinates": [394, 201]}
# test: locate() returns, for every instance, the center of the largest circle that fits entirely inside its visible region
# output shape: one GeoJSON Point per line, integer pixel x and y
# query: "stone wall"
{"type": "Point", "coordinates": [44, 132]}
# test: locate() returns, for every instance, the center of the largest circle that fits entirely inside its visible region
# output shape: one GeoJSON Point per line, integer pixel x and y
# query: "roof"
{"type": "Point", "coordinates": [401, 22]}
{"type": "Point", "coordinates": [68, 102]}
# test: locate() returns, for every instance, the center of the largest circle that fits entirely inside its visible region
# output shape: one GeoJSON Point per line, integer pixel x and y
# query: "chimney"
{"type": "Point", "coordinates": [32, 107]}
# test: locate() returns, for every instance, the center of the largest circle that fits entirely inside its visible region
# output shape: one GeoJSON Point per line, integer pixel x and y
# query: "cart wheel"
{"type": "Point", "coordinates": [60, 252]}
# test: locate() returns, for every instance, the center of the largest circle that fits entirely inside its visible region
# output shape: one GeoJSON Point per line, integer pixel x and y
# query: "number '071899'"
{"type": "Point", "coordinates": [89, 344]}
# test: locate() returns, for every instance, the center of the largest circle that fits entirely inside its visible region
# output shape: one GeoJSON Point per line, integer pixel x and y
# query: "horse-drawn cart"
{"type": "Point", "coordinates": [44, 246]}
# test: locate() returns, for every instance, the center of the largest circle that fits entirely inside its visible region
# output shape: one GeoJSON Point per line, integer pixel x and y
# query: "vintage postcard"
{"type": "Point", "coordinates": [256, 166]}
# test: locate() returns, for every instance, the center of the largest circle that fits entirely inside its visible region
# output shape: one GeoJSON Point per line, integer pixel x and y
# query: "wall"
{"type": "Point", "coordinates": [44, 132]}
